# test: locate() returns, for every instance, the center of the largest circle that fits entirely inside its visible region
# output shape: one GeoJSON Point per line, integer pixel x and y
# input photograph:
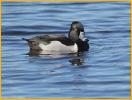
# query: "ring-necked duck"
{"type": "Point", "coordinates": [47, 44]}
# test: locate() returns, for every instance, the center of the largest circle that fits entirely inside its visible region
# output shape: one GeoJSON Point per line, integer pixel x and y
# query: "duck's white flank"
{"type": "Point", "coordinates": [59, 47]}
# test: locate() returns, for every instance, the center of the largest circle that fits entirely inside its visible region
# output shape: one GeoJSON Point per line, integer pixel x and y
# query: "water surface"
{"type": "Point", "coordinates": [102, 72]}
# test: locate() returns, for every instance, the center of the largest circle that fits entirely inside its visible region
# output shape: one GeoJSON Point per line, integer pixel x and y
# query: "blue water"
{"type": "Point", "coordinates": [101, 72]}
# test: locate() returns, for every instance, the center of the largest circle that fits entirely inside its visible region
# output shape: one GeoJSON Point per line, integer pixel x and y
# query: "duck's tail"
{"type": "Point", "coordinates": [25, 39]}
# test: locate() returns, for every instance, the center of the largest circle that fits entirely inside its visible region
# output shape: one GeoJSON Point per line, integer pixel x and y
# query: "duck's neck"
{"type": "Point", "coordinates": [73, 37]}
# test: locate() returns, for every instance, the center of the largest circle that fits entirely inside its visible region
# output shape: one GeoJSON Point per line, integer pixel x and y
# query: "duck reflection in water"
{"type": "Point", "coordinates": [76, 59]}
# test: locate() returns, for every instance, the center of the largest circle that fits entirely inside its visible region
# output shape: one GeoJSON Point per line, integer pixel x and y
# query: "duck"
{"type": "Point", "coordinates": [75, 42]}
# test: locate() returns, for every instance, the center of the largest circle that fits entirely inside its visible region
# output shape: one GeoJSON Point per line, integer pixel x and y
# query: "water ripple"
{"type": "Point", "coordinates": [101, 72]}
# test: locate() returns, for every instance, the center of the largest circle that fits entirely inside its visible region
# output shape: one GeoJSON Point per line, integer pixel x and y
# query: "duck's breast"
{"type": "Point", "coordinates": [59, 47]}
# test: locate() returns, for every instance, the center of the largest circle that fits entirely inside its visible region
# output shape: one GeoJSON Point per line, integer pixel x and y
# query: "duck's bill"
{"type": "Point", "coordinates": [82, 36]}
{"type": "Point", "coordinates": [85, 40]}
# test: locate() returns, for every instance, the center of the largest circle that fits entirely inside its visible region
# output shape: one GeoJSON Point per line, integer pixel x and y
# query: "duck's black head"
{"type": "Point", "coordinates": [77, 31]}
{"type": "Point", "coordinates": [77, 34]}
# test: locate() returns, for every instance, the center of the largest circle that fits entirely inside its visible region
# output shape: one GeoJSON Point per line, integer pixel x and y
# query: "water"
{"type": "Point", "coordinates": [102, 72]}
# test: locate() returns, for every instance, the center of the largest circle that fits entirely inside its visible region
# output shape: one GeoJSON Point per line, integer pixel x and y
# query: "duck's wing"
{"type": "Point", "coordinates": [46, 39]}
{"type": "Point", "coordinates": [61, 38]}
{"type": "Point", "coordinates": [49, 38]}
